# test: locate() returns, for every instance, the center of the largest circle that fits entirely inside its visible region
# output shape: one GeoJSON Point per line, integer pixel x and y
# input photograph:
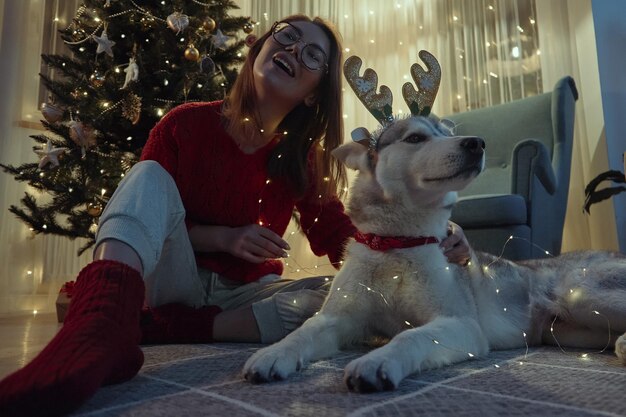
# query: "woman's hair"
{"type": "Point", "coordinates": [320, 125]}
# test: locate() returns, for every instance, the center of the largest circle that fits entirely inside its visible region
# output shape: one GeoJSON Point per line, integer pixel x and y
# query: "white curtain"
{"type": "Point", "coordinates": [488, 51]}
{"type": "Point", "coordinates": [566, 33]}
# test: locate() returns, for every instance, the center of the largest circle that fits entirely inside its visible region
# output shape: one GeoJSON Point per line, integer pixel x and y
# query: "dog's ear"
{"type": "Point", "coordinates": [353, 155]}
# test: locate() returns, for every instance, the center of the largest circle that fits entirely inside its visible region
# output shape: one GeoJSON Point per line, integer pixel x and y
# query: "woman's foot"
{"type": "Point", "coordinates": [97, 345]}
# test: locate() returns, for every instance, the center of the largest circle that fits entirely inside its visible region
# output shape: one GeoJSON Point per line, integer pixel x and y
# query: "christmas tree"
{"type": "Point", "coordinates": [131, 62]}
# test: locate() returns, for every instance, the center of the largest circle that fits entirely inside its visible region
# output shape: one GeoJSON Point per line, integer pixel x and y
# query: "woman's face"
{"type": "Point", "coordinates": [279, 72]}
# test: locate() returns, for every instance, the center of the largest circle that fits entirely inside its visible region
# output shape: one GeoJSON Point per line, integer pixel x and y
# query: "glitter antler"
{"type": "Point", "coordinates": [420, 102]}
{"type": "Point", "coordinates": [378, 104]}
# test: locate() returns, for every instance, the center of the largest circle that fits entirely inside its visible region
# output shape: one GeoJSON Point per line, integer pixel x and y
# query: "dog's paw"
{"type": "Point", "coordinates": [373, 372]}
{"type": "Point", "coordinates": [272, 364]}
{"type": "Point", "coordinates": [620, 348]}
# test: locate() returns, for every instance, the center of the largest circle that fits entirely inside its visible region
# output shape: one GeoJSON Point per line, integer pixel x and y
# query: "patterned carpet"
{"type": "Point", "coordinates": [205, 380]}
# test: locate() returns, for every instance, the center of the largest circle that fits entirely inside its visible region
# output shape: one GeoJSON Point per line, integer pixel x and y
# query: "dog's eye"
{"type": "Point", "coordinates": [416, 138]}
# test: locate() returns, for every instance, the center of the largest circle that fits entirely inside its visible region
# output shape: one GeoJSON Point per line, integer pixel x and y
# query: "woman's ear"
{"type": "Point", "coordinates": [310, 100]}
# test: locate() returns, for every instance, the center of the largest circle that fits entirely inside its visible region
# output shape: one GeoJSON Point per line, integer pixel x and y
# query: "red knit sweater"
{"type": "Point", "coordinates": [221, 185]}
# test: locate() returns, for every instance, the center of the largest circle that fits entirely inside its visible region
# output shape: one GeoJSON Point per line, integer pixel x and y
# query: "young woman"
{"type": "Point", "coordinates": [195, 228]}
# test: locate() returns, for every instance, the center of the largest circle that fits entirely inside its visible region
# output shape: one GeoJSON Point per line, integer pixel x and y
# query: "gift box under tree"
{"type": "Point", "coordinates": [63, 300]}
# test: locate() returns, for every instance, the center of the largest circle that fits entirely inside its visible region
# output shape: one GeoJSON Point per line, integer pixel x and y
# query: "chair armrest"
{"type": "Point", "coordinates": [531, 159]}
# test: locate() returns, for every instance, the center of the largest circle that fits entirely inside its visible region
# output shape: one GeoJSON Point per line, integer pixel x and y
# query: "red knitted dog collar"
{"type": "Point", "coordinates": [384, 243]}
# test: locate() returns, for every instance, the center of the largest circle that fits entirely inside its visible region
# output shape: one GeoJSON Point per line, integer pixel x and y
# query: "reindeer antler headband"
{"type": "Point", "coordinates": [420, 101]}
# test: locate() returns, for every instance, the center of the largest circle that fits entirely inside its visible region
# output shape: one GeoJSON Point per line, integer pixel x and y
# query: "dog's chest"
{"type": "Point", "coordinates": [404, 288]}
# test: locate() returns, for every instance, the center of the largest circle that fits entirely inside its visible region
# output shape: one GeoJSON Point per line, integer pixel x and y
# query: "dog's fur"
{"type": "Point", "coordinates": [436, 313]}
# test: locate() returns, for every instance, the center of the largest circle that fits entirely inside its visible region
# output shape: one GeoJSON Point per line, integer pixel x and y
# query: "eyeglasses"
{"type": "Point", "coordinates": [311, 55]}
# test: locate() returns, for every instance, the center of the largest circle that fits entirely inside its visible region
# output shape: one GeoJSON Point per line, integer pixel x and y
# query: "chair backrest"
{"type": "Point", "coordinates": [504, 126]}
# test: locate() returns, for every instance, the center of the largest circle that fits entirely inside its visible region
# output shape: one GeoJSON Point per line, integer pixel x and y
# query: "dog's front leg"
{"type": "Point", "coordinates": [442, 341]}
{"type": "Point", "coordinates": [320, 336]}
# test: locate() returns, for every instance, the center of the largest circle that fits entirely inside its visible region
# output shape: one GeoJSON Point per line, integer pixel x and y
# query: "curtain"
{"type": "Point", "coordinates": [568, 47]}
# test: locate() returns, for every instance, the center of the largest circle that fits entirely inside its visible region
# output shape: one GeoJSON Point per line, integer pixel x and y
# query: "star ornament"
{"type": "Point", "coordinates": [219, 39]}
{"type": "Point", "coordinates": [49, 155]}
{"type": "Point", "coordinates": [104, 44]}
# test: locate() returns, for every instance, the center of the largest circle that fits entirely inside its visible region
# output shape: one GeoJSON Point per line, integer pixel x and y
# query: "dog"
{"type": "Point", "coordinates": [435, 313]}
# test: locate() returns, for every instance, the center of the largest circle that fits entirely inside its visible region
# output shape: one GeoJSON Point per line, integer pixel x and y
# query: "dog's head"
{"type": "Point", "coordinates": [417, 157]}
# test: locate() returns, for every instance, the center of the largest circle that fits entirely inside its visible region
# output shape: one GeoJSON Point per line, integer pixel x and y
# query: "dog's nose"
{"type": "Point", "coordinates": [473, 144]}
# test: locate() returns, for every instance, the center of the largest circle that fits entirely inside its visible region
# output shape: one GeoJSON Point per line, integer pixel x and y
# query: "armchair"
{"type": "Point", "coordinates": [523, 190]}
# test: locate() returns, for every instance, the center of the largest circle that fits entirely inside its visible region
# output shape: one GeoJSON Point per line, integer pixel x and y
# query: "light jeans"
{"type": "Point", "coordinates": [146, 213]}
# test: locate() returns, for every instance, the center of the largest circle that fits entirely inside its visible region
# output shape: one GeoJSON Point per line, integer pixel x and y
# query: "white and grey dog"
{"type": "Point", "coordinates": [435, 313]}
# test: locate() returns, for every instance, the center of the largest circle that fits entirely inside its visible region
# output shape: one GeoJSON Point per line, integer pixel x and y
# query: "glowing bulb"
{"type": "Point", "coordinates": [294, 301]}
{"type": "Point", "coordinates": [103, 191]}
{"type": "Point", "coordinates": [470, 354]}
{"type": "Point", "coordinates": [29, 272]}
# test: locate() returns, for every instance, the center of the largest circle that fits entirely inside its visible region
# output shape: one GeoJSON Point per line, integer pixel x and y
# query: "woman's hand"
{"type": "Point", "coordinates": [455, 246]}
{"type": "Point", "coordinates": [254, 243]}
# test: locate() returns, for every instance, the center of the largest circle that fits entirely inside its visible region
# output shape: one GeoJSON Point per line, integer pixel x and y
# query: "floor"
{"type": "Point", "coordinates": [201, 380]}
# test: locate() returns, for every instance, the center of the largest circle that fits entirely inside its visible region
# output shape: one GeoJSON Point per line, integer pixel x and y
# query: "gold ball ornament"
{"type": "Point", "coordinates": [96, 79]}
{"type": "Point", "coordinates": [209, 24]}
{"type": "Point", "coordinates": [248, 27]}
{"type": "Point", "coordinates": [192, 54]}
{"type": "Point", "coordinates": [94, 209]}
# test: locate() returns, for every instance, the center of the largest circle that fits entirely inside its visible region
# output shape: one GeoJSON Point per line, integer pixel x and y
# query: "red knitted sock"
{"type": "Point", "coordinates": [97, 345]}
{"type": "Point", "coordinates": [178, 323]}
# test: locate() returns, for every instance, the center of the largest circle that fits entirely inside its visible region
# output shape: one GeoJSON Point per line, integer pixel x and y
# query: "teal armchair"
{"type": "Point", "coordinates": [523, 190]}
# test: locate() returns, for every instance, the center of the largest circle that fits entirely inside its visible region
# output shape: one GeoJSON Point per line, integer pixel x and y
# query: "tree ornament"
{"type": "Point", "coordinates": [219, 39]}
{"type": "Point", "coordinates": [94, 208]}
{"type": "Point", "coordinates": [49, 155]}
{"type": "Point", "coordinates": [251, 40]}
{"type": "Point", "coordinates": [177, 22]}
{"type": "Point", "coordinates": [97, 79]}
{"type": "Point", "coordinates": [207, 65]}
{"type": "Point", "coordinates": [131, 108]}
{"type": "Point", "coordinates": [132, 72]}
{"type": "Point", "coordinates": [104, 44]}
{"type": "Point", "coordinates": [83, 136]}
{"type": "Point", "coordinates": [51, 112]}
{"type": "Point", "coordinates": [248, 27]}
{"type": "Point", "coordinates": [209, 24]}
{"type": "Point", "coordinates": [191, 53]}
